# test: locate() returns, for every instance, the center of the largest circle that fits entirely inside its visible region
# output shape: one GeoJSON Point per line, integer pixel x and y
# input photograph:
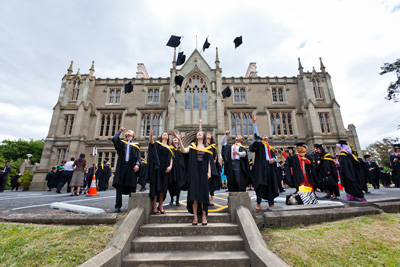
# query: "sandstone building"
{"type": "Point", "coordinates": [90, 110]}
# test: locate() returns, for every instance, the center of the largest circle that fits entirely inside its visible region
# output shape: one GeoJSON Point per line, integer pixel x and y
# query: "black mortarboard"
{"type": "Point", "coordinates": [342, 142]}
{"type": "Point", "coordinates": [206, 44]}
{"type": "Point", "coordinates": [181, 59]}
{"type": "Point", "coordinates": [290, 147]}
{"type": "Point", "coordinates": [226, 92]}
{"type": "Point", "coordinates": [174, 41]}
{"type": "Point", "coordinates": [301, 144]}
{"type": "Point", "coordinates": [179, 80]}
{"type": "Point", "coordinates": [128, 87]}
{"type": "Point", "coordinates": [396, 145]}
{"type": "Point", "coordinates": [318, 145]}
{"type": "Point", "coordinates": [367, 156]}
{"type": "Point", "coordinates": [238, 41]}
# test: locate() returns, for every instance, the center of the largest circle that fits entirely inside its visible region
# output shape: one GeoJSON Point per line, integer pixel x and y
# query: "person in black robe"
{"type": "Point", "coordinates": [236, 164]}
{"type": "Point", "coordinates": [160, 160]}
{"type": "Point", "coordinates": [363, 172]}
{"type": "Point", "coordinates": [350, 173]}
{"type": "Point", "coordinates": [50, 178]}
{"type": "Point", "coordinates": [281, 175]}
{"type": "Point", "coordinates": [143, 174]}
{"type": "Point", "coordinates": [395, 165]}
{"type": "Point", "coordinates": [328, 172]}
{"type": "Point", "coordinates": [265, 180]}
{"type": "Point", "coordinates": [103, 174]}
{"type": "Point", "coordinates": [251, 174]}
{"type": "Point", "coordinates": [198, 173]}
{"type": "Point", "coordinates": [374, 172]}
{"type": "Point", "coordinates": [127, 170]}
{"type": "Point", "coordinates": [288, 172]}
{"type": "Point", "coordinates": [316, 175]}
{"type": "Point", "coordinates": [177, 177]}
{"type": "Point", "coordinates": [385, 177]}
{"type": "Point", "coordinates": [14, 183]}
{"type": "Point", "coordinates": [59, 175]}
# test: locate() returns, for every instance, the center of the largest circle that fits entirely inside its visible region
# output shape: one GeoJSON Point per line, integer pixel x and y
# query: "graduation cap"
{"type": "Point", "coordinates": [290, 147]}
{"type": "Point", "coordinates": [181, 59]}
{"type": "Point", "coordinates": [238, 41]}
{"type": "Point", "coordinates": [396, 146]}
{"type": "Point", "coordinates": [179, 80]}
{"type": "Point", "coordinates": [301, 144]}
{"type": "Point", "coordinates": [174, 41]}
{"type": "Point", "coordinates": [318, 145]}
{"type": "Point", "coordinates": [367, 156]}
{"type": "Point", "coordinates": [342, 142]}
{"type": "Point", "coordinates": [206, 44]}
{"type": "Point", "coordinates": [226, 92]}
{"type": "Point", "coordinates": [128, 87]}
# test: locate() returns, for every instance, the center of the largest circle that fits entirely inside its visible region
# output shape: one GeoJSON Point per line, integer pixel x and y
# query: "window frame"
{"type": "Point", "coordinates": [114, 96]}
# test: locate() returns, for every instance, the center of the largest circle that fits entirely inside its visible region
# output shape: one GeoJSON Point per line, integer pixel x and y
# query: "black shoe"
{"type": "Point", "coordinates": [58, 192]}
{"type": "Point", "coordinates": [142, 189]}
{"type": "Point", "coordinates": [171, 203]}
{"type": "Point", "coordinates": [178, 204]}
{"type": "Point", "coordinates": [117, 210]}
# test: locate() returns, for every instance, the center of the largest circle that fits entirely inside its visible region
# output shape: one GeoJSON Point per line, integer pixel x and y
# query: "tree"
{"type": "Point", "coordinates": [14, 150]}
{"type": "Point", "coordinates": [394, 87]}
{"type": "Point", "coordinates": [381, 150]}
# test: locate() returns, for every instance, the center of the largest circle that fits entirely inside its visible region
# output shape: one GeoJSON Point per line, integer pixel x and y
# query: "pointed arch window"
{"type": "Point", "coordinates": [317, 88]}
{"type": "Point", "coordinates": [75, 90]}
{"type": "Point", "coordinates": [196, 93]}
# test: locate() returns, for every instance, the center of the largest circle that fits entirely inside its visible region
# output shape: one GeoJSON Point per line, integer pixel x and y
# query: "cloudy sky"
{"type": "Point", "coordinates": [38, 39]}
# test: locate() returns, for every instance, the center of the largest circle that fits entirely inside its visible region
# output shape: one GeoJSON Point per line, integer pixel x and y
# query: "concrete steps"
{"type": "Point", "coordinates": [171, 240]}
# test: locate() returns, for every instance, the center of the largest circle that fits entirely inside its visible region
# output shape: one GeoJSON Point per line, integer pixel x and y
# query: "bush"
{"type": "Point", "coordinates": [26, 180]}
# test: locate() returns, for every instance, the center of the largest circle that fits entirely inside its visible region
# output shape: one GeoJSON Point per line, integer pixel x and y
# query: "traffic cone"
{"type": "Point", "coordinates": [340, 185]}
{"type": "Point", "coordinates": [93, 187]}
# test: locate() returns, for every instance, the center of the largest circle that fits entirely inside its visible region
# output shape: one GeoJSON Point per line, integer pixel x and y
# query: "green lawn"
{"type": "Point", "coordinates": [362, 241]}
{"type": "Point", "coordinates": [51, 245]}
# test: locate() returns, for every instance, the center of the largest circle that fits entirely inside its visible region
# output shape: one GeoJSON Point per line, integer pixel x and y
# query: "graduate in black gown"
{"type": "Point", "coordinates": [328, 172]}
{"type": "Point", "coordinates": [288, 178]}
{"type": "Point", "coordinates": [50, 178]}
{"type": "Point", "coordinates": [374, 172]}
{"type": "Point", "coordinates": [143, 174]}
{"type": "Point", "coordinates": [395, 165]}
{"type": "Point", "coordinates": [364, 172]}
{"type": "Point", "coordinates": [14, 183]}
{"type": "Point", "coordinates": [103, 174]}
{"type": "Point", "coordinates": [177, 177]}
{"type": "Point", "coordinates": [350, 173]}
{"type": "Point", "coordinates": [160, 160]}
{"type": "Point", "coordinates": [198, 173]}
{"type": "Point", "coordinates": [265, 179]}
{"type": "Point", "coordinates": [59, 174]}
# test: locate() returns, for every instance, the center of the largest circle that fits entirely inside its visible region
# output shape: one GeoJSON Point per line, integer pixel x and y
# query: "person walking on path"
{"type": "Point", "coordinates": [80, 167]}
{"type": "Point", "coordinates": [5, 171]}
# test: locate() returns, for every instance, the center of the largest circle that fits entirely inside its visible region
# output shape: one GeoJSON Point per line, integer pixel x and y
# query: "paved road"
{"type": "Point", "coordinates": [39, 201]}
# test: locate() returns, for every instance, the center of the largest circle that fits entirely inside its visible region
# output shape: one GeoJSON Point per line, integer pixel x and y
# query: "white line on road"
{"type": "Point", "coordinates": [70, 201]}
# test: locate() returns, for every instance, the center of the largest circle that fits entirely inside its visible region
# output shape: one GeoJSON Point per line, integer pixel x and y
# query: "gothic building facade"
{"type": "Point", "coordinates": [90, 110]}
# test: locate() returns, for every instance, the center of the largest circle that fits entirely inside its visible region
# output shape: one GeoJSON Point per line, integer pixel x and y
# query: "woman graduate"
{"type": "Point", "coordinates": [160, 159]}
{"type": "Point", "coordinates": [177, 177]}
{"type": "Point", "coordinates": [350, 173]}
{"type": "Point", "coordinates": [328, 171]}
{"type": "Point", "coordinates": [198, 172]}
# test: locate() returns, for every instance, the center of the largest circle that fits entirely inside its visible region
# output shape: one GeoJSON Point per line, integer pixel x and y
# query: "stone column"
{"type": "Point", "coordinates": [237, 199]}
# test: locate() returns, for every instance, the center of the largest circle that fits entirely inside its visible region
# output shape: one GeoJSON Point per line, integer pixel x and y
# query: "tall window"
{"type": "Point", "coordinates": [153, 96]}
{"type": "Point", "coordinates": [324, 122]}
{"type": "Point", "coordinates": [277, 95]}
{"type": "Point", "coordinates": [110, 123]}
{"type": "Point", "coordinates": [114, 96]}
{"type": "Point", "coordinates": [196, 93]}
{"type": "Point", "coordinates": [317, 88]}
{"type": "Point", "coordinates": [149, 122]}
{"type": "Point", "coordinates": [75, 90]}
{"type": "Point", "coordinates": [241, 124]}
{"type": "Point", "coordinates": [61, 152]}
{"type": "Point", "coordinates": [281, 123]}
{"type": "Point", "coordinates": [106, 155]}
{"type": "Point", "coordinates": [68, 124]}
{"type": "Point", "coordinates": [239, 95]}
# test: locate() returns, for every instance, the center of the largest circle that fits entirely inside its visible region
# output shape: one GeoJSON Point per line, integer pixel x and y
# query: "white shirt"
{"type": "Point", "coordinates": [68, 166]}
{"type": "Point", "coordinates": [266, 150]}
{"type": "Point", "coordinates": [242, 154]}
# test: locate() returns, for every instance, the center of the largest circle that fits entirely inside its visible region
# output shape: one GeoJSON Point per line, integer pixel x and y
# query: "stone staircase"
{"type": "Point", "coordinates": [171, 240]}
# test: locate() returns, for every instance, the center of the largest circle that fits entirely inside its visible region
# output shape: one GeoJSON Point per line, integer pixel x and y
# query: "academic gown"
{"type": "Point", "coordinates": [265, 174]}
{"type": "Point", "coordinates": [58, 175]}
{"type": "Point", "coordinates": [177, 179]}
{"type": "Point", "coordinates": [158, 160]}
{"type": "Point", "coordinates": [103, 175]}
{"type": "Point", "coordinates": [297, 168]}
{"type": "Point", "coordinates": [374, 174]}
{"type": "Point", "coordinates": [364, 175]}
{"type": "Point", "coordinates": [128, 183]}
{"type": "Point", "coordinates": [395, 169]}
{"type": "Point", "coordinates": [143, 173]}
{"type": "Point", "coordinates": [215, 180]}
{"type": "Point", "coordinates": [350, 174]}
{"type": "Point", "coordinates": [197, 177]}
{"type": "Point", "coordinates": [233, 185]}
{"type": "Point", "coordinates": [50, 177]}
{"type": "Point", "coordinates": [315, 172]}
{"type": "Point", "coordinates": [327, 168]}
{"type": "Point", "coordinates": [288, 173]}
{"type": "Point", "coordinates": [14, 181]}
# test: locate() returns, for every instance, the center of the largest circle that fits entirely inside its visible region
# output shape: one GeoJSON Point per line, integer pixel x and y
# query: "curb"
{"type": "Point", "coordinates": [64, 219]}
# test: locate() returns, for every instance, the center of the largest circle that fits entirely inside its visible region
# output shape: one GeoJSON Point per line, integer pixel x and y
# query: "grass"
{"type": "Point", "coordinates": [361, 241]}
{"type": "Point", "coordinates": [50, 245]}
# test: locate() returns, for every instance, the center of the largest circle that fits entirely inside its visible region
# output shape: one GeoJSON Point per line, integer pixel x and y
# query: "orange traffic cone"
{"type": "Point", "coordinates": [340, 185]}
{"type": "Point", "coordinates": [93, 188]}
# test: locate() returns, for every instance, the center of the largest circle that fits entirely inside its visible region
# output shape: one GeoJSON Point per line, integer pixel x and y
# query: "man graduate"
{"type": "Point", "coordinates": [236, 164]}
{"type": "Point", "coordinates": [373, 170]}
{"type": "Point", "coordinates": [395, 165]}
{"type": "Point", "coordinates": [103, 174]}
{"type": "Point", "coordinates": [265, 173]}
{"type": "Point", "coordinates": [128, 163]}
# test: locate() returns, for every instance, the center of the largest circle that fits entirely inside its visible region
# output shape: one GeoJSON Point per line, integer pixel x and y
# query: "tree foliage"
{"type": "Point", "coordinates": [14, 150]}
{"type": "Point", "coordinates": [394, 87]}
{"type": "Point", "coordinates": [381, 150]}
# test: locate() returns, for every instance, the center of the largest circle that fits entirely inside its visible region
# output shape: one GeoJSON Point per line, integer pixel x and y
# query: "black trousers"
{"type": "Point", "coordinates": [119, 188]}
{"type": "Point", "coordinates": [270, 194]}
{"type": "Point", "coordinates": [65, 178]}
{"type": "Point", "coordinates": [3, 181]}
{"type": "Point", "coordinates": [235, 186]}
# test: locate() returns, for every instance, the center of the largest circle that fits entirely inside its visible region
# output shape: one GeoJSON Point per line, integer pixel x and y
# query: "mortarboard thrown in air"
{"type": "Point", "coordinates": [179, 80]}
{"type": "Point", "coordinates": [174, 41]}
{"type": "Point", "coordinates": [238, 41]}
{"type": "Point", "coordinates": [342, 142]}
{"type": "Point", "coordinates": [226, 92]}
{"type": "Point", "coordinates": [181, 59]}
{"type": "Point", "coordinates": [206, 44]}
{"type": "Point", "coordinates": [367, 156]}
{"type": "Point", "coordinates": [128, 87]}
{"type": "Point", "coordinates": [301, 144]}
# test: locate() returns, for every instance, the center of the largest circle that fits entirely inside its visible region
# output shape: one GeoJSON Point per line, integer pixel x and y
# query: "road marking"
{"type": "Point", "coordinates": [221, 198]}
{"type": "Point", "coordinates": [70, 201]}
{"type": "Point", "coordinates": [23, 196]}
